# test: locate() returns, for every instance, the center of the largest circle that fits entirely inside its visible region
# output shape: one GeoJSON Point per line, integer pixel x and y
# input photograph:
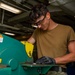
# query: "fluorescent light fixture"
{"type": "Point", "coordinates": [9, 33]}
{"type": "Point", "coordinates": [9, 8]}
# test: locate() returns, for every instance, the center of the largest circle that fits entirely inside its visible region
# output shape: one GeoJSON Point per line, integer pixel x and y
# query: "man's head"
{"type": "Point", "coordinates": [40, 16]}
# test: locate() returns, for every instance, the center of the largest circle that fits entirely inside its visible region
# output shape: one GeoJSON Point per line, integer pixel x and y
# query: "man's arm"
{"type": "Point", "coordinates": [31, 40]}
{"type": "Point", "coordinates": [68, 57]}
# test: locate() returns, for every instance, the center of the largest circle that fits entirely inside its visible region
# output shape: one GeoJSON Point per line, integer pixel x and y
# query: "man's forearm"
{"type": "Point", "coordinates": [65, 59]}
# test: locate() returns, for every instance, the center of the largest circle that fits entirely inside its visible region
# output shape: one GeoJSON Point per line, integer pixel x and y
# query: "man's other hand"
{"type": "Point", "coordinates": [45, 60]}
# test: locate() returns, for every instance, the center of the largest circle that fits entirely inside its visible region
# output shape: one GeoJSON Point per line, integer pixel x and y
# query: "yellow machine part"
{"type": "Point", "coordinates": [0, 60]}
{"type": "Point", "coordinates": [28, 47]}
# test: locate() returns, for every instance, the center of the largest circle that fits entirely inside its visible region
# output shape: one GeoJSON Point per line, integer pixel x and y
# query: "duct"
{"type": "Point", "coordinates": [21, 16]}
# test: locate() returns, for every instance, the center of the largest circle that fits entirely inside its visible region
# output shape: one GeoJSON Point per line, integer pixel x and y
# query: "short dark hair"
{"type": "Point", "coordinates": [37, 11]}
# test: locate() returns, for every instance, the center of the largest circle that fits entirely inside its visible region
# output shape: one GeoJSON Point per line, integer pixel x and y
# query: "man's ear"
{"type": "Point", "coordinates": [48, 15]}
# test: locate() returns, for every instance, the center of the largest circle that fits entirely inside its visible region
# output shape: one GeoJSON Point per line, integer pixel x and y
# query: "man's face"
{"type": "Point", "coordinates": [42, 23]}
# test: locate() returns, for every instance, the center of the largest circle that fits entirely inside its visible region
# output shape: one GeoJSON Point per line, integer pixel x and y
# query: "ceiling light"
{"type": "Point", "coordinates": [9, 8]}
{"type": "Point", "coordinates": [9, 33]}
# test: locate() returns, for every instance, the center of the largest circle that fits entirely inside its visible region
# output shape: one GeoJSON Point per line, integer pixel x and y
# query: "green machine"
{"type": "Point", "coordinates": [13, 58]}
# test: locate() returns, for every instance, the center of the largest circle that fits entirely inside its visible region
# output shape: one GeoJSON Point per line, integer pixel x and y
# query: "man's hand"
{"type": "Point", "coordinates": [45, 60]}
